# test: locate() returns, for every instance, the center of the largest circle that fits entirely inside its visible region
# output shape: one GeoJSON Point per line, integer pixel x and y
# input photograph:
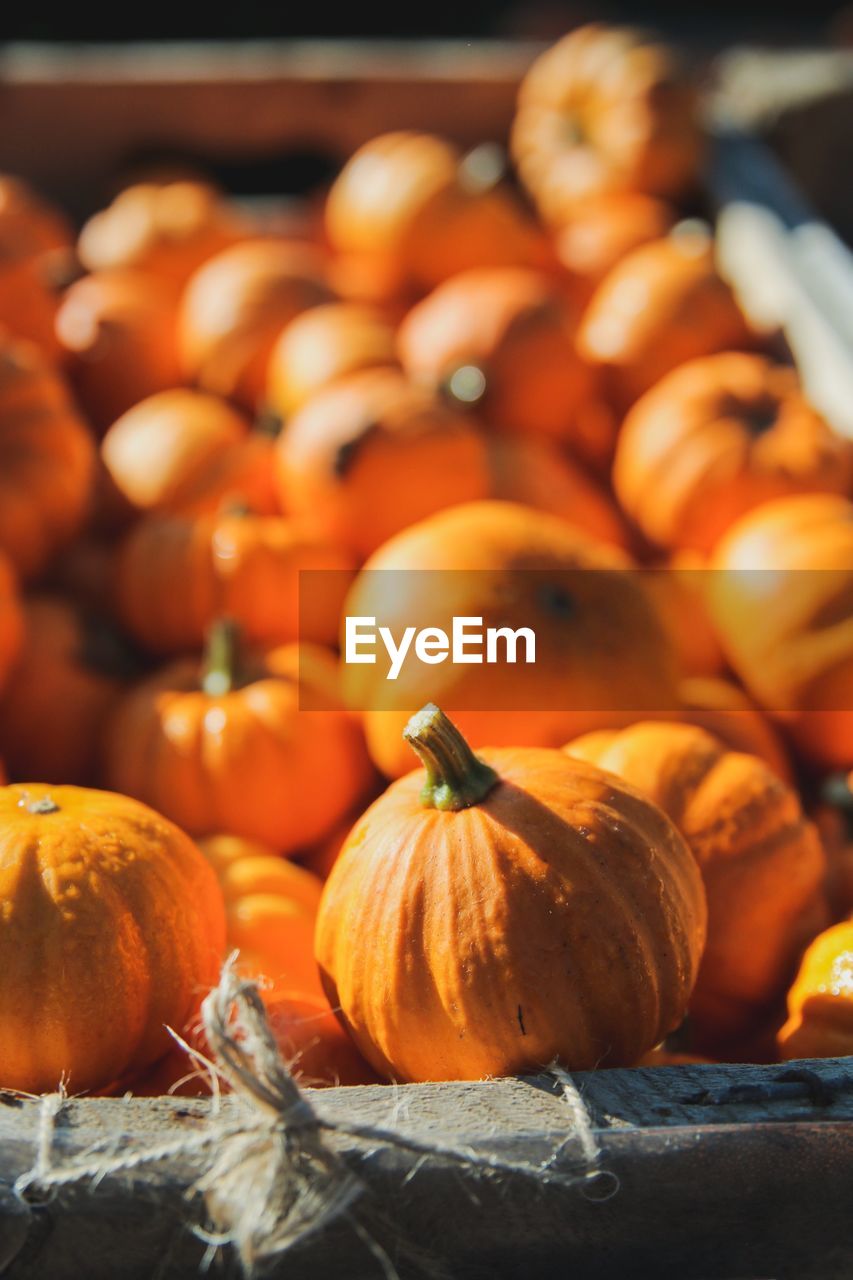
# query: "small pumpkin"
{"type": "Point", "coordinates": [489, 914]}
{"type": "Point", "coordinates": [723, 709]}
{"type": "Point", "coordinates": [235, 306]}
{"type": "Point", "coordinates": [602, 230]}
{"type": "Point", "coordinates": [222, 745]}
{"type": "Point", "coordinates": [502, 342]}
{"type": "Point", "coordinates": [314, 1044]}
{"type": "Point", "coordinates": [188, 451]}
{"type": "Point", "coordinates": [660, 306]}
{"type": "Point", "coordinates": [118, 330]}
{"type": "Point", "coordinates": [605, 110]}
{"type": "Point", "coordinates": [761, 861]}
{"type": "Point", "coordinates": [781, 599]}
{"type": "Point", "coordinates": [820, 1002]}
{"type": "Point", "coordinates": [47, 459]}
{"type": "Point", "coordinates": [112, 927]}
{"type": "Point", "coordinates": [165, 229]}
{"type": "Point", "coordinates": [176, 574]}
{"type": "Point", "coordinates": [716, 438]}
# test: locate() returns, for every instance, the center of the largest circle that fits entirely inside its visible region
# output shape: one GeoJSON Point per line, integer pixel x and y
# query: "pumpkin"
{"type": "Point", "coordinates": [69, 673]}
{"type": "Point", "coordinates": [29, 225]}
{"type": "Point", "coordinates": [491, 913]}
{"type": "Point", "coordinates": [11, 621]}
{"type": "Point", "coordinates": [833, 818]}
{"type": "Point", "coordinates": [222, 745]}
{"type": "Point", "coordinates": [761, 861]}
{"type": "Point", "coordinates": [371, 454]}
{"type": "Point", "coordinates": [235, 306]}
{"type": "Point", "coordinates": [185, 450]}
{"type": "Point", "coordinates": [314, 1044]}
{"type": "Point", "coordinates": [34, 240]}
{"type": "Point", "coordinates": [678, 589]}
{"type": "Point", "coordinates": [46, 459]}
{"type": "Point", "coordinates": [781, 599]}
{"type": "Point", "coordinates": [165, 229]}
{"type": "Point", "coordinates": [605, 110]}
{"type": "Point", "coordinates": [820, 1002]}
{"type": "Point", "coordinates": [408, 208]}
{"type": "Point", "coordinates": [175, 574]}
{"type": "Point", "coordinates": [323, 345]}
{"type": "Point", "coordinates": [501, 342]}
{"type": "Point", "coordinates": [716, 438]}
{"type": "Point", "coordinates": [112, 927]}
{"type": "Point", "coordinates": [660, 306]}
{"type": "Point", "coordinates": [602, 230]}
{"type": "Point", "coordinates": [726, 711]}
{"type": "Point", "coordinates": [118, 329]}
{"type": "Point", "coordinates": [600, 646]}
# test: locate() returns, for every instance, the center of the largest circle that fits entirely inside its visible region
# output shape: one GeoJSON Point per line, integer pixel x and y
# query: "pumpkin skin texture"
{"type": "Point", "coordinates": [781, 602]}
{"type": "Point", "coordinates": [662, 305]}
{"type": "Point", "coordinates": [820, 1002]}
{"type": "Point", "coordinates": [761, 861]}
{"type": "Point", "coordinates": [322, 346]}
{"type": "Point", "coordinates": [47, 459]}
{"type": "Point", "coordinates": [234, 308]}
{"type": "Point", "coordinates": [604, 651]}
{"type": "Point", "coordinates": [605, 111]}
{"type": "Point", "coordinates": [112, 926]}
{"type": "Point", "coordinates": [371, 455]}
{"type": "Point", "coordinates": [184, 450]}
{"type": "Point", "coordinates": [165, 229]}
{"type": "Point", "coordinates": [176, 574]}
{"type": "Point", "coordinates": [716, 438]}
{"type": "Point", "coordinates": [246, 760]}
{"type": "Point", "coordinates": [455, 930]}
{"type": "Point", "coordinates": [603, 230]}
{"type": "Point", "coordinates": [118, 330]}
{"type": "Point", "coordinates": [502, 342]}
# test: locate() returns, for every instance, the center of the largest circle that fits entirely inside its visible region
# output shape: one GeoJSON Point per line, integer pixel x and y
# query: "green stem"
{"type": "Point", "coordinates": [221, 658]}
{"type": "Point", "coordinates": [456, 778]}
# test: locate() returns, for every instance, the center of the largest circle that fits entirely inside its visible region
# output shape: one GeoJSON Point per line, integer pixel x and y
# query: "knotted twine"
{"type": "Point", "coordinates": [270, 1172]}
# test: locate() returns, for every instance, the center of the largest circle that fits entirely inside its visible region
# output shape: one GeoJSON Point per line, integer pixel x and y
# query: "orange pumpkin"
{"type": "Point", "coordinates": [716, 438]}
{"type": "Point", "coordinates": [314, 1044]}
{"type": "Point", "coordinates": [502, 342]}
{"type": "Point", "coordinates": [187, 451]}
{"type": "Point", "coordinates": [761, 861]}
{"type": "Point", "coordinates": [662, 305]}
{"type": "Point", "coordinates": [46, 459]}
{"type": "Point", "coordinates": [165, 229]}
{"type": "Point", "coordinates": [176, 574]}
{"type": "Point", "coordinates": [322, 346]}
{"type": "Point", "coordinates": [833, 818]}
{"type": "Point", "coordinates": [723, 709]}
{"type": "Point", "coordinates": [678, 589]}
{"type": "Point", "coordinates": [29, 225]}
{"type": "Point", "coordinates": [118, 329]}
{"type": "Point", "coordinates": [11, 621]}
{"type": "Point", "coordinates": [602, 230]}
{"type": "Point", "coordinates": [599, 644]}
{"type": "Point", "coordinates": [781, 599]}
{"type": "Point", "coordinates": [605, 110]}
{"type": "Point", "coordinates": [224, 746]}
{"type": "Point", "coordinates": [112, 928]}
{"type": "Point", "coordinates": [34, 239]}
{"type": "Point", "coordinates": [235, 306]}
{"type": "Point", "coordinates": [489, 914]}
{"type": "Point", "coordinates": [820, 1002]}
{"type": "Point", "coordinates": [409, 209]}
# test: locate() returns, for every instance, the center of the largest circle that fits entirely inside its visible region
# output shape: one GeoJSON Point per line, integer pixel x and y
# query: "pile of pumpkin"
{"type": "Point", "coordinates": [443, 371]}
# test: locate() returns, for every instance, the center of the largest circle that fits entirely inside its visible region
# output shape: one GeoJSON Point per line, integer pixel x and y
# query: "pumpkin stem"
{"type": "Point", "coordinates": [221, 658]}
{"type": "Point", "coordinates": [456, 778]}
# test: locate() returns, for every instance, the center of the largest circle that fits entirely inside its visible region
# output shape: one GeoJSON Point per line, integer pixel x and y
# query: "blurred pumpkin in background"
{"type": "Point", "coordinates": [35, 242]}
{"type": "Point", "coordinates": [29, 224]}
{"type": "Point", "coordinates": [602, 230]}
{"type": "Point", "coordinates": [678, 588]}
{"type": "Point", "coordinates": [11, 620]}
{"type": "Point", "coordinates": [820, 1002]}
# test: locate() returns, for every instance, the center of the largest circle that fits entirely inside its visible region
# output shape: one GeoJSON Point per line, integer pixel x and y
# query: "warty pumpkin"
{"type": "Point", "coordinates": [47, 459]}
{"type": "Point", "coordinates": [605, 110]}
{"type": "Point", "coordinates": [112, 927]}
{"type": "Point", "coordinates": [235, 306]}
{"type": "Point", "coordinates": [175, 574]}
{"type": "Point", "coordinates": [602, 230]}
{"type": "Point", "coordinates": [490, 914]}
{"type": "Point", "coordinates": [820, 1001]}
{"type": "Point", "coordinates": [502, 343]}
{"type": "Point", "coordinates": [761, 861]}
{"type": "Point", "coordinates": [781, 599]}
{"type": "Point", "coordinates": [662, 305]}
{"type": "Point", "coordinates": [222, 745]}
{"type": "Point", "coordinates": [716, 438]}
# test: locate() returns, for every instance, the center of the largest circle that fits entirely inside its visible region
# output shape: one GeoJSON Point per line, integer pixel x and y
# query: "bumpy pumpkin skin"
{"type": "Point", "coordinates": [716, 438]}
{"type": "Point", "coordinates": [559, 916]}
{"type": "Point", "coordinates": [662, 305]}
{"type": "Point", "coordinates": [247, 761]}
{"type": "Point", "coordinates": [112, 928]}
{"type": "Point", "coordinates": [761, 861]}
{"type": "Point", "coordinates": [820, 1002]}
